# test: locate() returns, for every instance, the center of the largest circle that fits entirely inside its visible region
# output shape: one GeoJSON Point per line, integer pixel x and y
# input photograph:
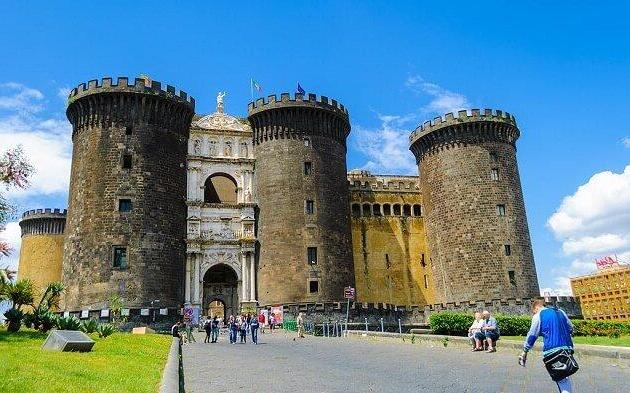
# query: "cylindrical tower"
{"type": "Point", "coordinates": [41, 252]}
{"type": "Point", "coordinates": [473, 204]}
{"type": "Point", "coordinates": [304, 221]}
{"type": "Point", "coordinates": [126, 224]}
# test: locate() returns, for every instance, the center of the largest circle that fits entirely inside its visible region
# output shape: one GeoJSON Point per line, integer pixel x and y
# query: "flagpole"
{"type": "Point", "coordinates": [251, 87]}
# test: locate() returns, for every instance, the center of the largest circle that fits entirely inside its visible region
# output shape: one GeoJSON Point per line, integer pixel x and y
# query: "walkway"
{"type": "Point", "coordinates": [316, 364]}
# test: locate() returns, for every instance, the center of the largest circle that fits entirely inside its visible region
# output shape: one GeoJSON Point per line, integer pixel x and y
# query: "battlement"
{"type": "Point", "coordinates": [298, 100]}
{"type": "Point", "coordinates": [463, 116]}
{"type": "Point", "coordinates": [37, 213]}
{"type": "Point", "coordinates": [140, 85]}
{"type": "Point", "coordinates": [359, 180]}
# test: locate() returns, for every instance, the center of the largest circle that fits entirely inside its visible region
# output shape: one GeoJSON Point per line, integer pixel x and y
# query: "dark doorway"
{"type": "Point", "coordinates": [220, 287]}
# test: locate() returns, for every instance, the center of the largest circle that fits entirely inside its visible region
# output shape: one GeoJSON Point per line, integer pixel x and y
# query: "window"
{"type": "Point", "coordinates": [422, 261]}
{"type": "Point", "coordinates": [308, 168]}
{"type": "Point", "coordinates": [406, 210]}
{"type": "Point", "coordinates": [124, 205]}
{"type": "Point", "coordinates": [310, 207]}
{"type": "Point", "coordinates": [376, 209]}
{"type": "Point", "coordinates": [126, 164]}
{"type": "Point", "coordinates": [313, 286]}
{"type": "Point", "coordinates": [388, 264]}
{"type": "Point", "coordinates": [128, 130]}
{"type": "Point", "coordinates": [417, 210]}
{"type": "Point", "coordinates": [311, 256]}
{"type": "Point", "coordinates": [120, 257]}
{"type": "Point", "coordinates": [508, 249]}
{"type": "Point", "coordinates": [500, 210]}
{"type": "Point", "coordinates": [220, 188]}
{"type": "Point", "coordinates": [512, 277]}
{"type": "Point", "coordinates": [494, 158]}
{"type": "Point", "coordinates": [307, 142]}
{"type": "Point", "coordinates": [356, 210]}
{"type": "Point", "coordinates": [494, 174]}
{"type": "Point", "coordinates": [367, 210]}
{"type": "Point", "coordinates": [387, 209]}
{"type": "Point", "coordinates": [397, 210]}
{"type": "Point", "coordinates": [426, 281]}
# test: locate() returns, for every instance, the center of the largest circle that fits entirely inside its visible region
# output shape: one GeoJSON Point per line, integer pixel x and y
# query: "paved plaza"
{"type": "Point", "coordinates": [317, 364]}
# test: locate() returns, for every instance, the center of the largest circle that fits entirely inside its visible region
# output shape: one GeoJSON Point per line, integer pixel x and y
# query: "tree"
{"type": "Point", "coordinates": [20, 293]}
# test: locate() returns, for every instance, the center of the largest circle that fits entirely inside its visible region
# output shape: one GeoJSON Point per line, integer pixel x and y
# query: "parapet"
{"type": "Point", "coordinates": [140, 85]}
{"type": "Point", "coordinates": [463, 116]}
{"type": "Point", "coordinates": [43, 222]}
{"type": "Point", "coordinates": [359, 180]}
{"type": "Point", "coordinates": [298, 100]}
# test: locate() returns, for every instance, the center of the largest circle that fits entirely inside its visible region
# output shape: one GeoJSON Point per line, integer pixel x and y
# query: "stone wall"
{"type": "Point", "coordinates": [151, 126]}
{"type": "Point", "coordinates": [288, 133]}
{"type": "Point", "coordinates": [466, 234]}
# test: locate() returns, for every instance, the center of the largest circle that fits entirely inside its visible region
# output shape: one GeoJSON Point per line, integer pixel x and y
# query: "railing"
{"type": "Point", "coordinates": [338, 328]}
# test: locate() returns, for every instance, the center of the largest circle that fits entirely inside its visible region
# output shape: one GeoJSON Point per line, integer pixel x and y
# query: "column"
{"type": "Point", "coordinates": [196, 282]}
{"type": "Point", "coordinates": [252, 276]}
{"type": "Point", "coordinates": [187, 279]}
{"type": "Point", "coordinates": [245, 281]}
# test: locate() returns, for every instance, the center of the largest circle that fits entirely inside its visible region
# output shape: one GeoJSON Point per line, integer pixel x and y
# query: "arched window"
{"type": "Point", "coordinates": [417, 210]}
{"type": "Point", "coordinates": [397, 210]}
{"type": "Point", "coordinates": [376, 209]}
{"type": "Point", "coordinates": [220, 188]}
{"type": "Point", "coordinates": [406, 210]}
{"type": "Point", "coordinates": [387, 209]}
{"type": "Point", "coordinates": [356, 210]}
{"type": "Point", "coordinates": [367, 210]}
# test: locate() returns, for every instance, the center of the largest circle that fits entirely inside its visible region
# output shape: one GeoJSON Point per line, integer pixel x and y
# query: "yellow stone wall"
{"type": "Point", "coordinates": [399, 239]}
{"type": "Point", "coordinates": [40, 259]}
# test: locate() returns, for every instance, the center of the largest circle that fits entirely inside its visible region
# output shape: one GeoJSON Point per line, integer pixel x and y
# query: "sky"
{"type": "Point", "coordinates": [561, 69]}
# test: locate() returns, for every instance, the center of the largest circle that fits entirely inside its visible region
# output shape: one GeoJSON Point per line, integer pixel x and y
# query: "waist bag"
{"type": "Point", "coordinates": [560, 364]}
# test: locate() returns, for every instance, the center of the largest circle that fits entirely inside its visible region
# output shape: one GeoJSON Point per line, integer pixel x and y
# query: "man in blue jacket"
{"type": "Point", "coordinates": [556, 329]}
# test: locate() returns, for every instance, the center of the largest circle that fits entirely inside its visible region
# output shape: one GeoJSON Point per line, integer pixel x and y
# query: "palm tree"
{"type": "Point", "coordinates": [20, 293]}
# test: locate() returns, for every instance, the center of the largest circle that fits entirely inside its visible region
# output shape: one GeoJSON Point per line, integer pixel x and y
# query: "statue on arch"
{"type": "Point", "coordinates": [220, 96]}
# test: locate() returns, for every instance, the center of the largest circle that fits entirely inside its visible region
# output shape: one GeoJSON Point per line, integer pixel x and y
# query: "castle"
{"type": "Point", "coordinates": [167, 207]}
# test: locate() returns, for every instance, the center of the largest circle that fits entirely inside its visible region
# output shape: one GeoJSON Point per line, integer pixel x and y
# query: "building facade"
{"type": "Point", "coordinates": [168, 208]}
{"type": "Point", "coordinates": [41, 252]}
{"type": "Point", "coordinates": [605, 294]}
{"type": "Point", "coordinates": [220, 265]}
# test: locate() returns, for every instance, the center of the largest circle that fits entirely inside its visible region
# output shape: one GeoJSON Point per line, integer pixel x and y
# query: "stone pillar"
{"type": "Point", "coordinates": [244, 274]}
{"type": "Point", "coordinates": [197, 267]}
{"type": "Point", "coordinates": [194, 181]}
{"type": "Point", "coordinates": [252, 277]}
{"type": "Point", "coordinates": [188, 277]}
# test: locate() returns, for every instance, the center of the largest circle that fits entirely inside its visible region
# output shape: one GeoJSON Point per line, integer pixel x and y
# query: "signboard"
{"type": "Point", "coordinates": [163, 311]}
{"type": "Point", "coordinates": [191, 314]}
{"type": "Point", "coordinates": [144, 312]}
{"type": "Point", "coordinates": [66, 314]}
{"type": "Point", "coordinates": [265, 313]}
{"type": "Point", "coordinates": [278, 313]}
{"type": "Point", "coordinates": [85, 313]}
{"type": "Point", "coordinates": [124, 312]}
{"type": "Point", "coordinates": [348, 293]}
{"type": "Point", "coordinates": [105, 313]}
{"type": "Point", "coordinates": [606, 262]}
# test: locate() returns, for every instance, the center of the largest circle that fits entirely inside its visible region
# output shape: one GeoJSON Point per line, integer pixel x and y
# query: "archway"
{"type": "Point", "coordinates": [220, 188]}
{"type": "Point", "coordinates": [216, 308]}
{"type": "Point", "coordinates": [220, 286]}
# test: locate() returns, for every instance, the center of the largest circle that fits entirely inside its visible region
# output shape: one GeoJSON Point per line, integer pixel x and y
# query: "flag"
{"type": "Point", "coordinates": [299, 89]}
{"type": "Point", "coordinates": [605, 262]}
{"type": "Point", "coordinates": [256, 86]}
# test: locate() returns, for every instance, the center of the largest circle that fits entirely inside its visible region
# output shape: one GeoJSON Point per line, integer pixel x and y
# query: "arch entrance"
{"type": "Point", "coordinates": [220, 291]}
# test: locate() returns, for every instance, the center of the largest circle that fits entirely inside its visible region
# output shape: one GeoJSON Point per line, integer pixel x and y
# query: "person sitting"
{"type": "Point", "coordinates": [175, 330]}
{"type": "Point", "coordinates": [474, 333]}
{"type": "Point", "coordinates": [490, 330]}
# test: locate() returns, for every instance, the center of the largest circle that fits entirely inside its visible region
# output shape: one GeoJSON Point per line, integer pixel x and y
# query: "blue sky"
{"type": "Point", "coordinates": [561, 69]}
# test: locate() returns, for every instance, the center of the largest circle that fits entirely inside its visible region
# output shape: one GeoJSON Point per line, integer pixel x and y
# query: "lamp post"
{"type": "Point", "coordinates": [152, 303]}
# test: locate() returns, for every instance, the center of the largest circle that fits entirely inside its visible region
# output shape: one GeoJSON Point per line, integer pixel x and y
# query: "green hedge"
{"type": "Point", "coordinates": [457, 324]}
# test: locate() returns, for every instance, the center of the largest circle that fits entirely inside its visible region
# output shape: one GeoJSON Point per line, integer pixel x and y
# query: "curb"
{"type": "Point", "coordinates": [171, 375]}
{"type": "Point", "coordinates": [601, 351]}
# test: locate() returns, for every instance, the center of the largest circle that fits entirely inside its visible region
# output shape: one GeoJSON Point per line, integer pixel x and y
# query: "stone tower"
{"type": "Point", "coordinates": [304, 220]}
{"type": "Point", "coordinates": [473, 205]}
{"type": "Point", "coordinates": [41, 252]}
{"type": "Point", "coordinates": [126, 226]}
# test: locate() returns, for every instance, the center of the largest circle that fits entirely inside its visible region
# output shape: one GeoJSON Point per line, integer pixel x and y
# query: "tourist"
{"type": "Point", "coordinates": [300, 325]}
{"type": "Point", "coordinates": [214, 325]}
{"type": "Point", "coordinates": [556, 329]}
{"type": "Point", "coordinates": [272, 322]}
{"type": "Point", "coordinates": [243, 329]}
{"type": "Point", "coordinates": [190, 338]}
{"type": "Point", "coordinates": [175, 330]}
{"type": "Point", "coordinates": [208, 328]}
{"type": "Point", "coordinates": [233, 327]}
{"type": "Point", "coordinates": [474, 333]}
{"type": "Point", "coordinates": [254, 329]}
{"type": "Point", "coordinates": [261, 322]}
{"type": "Point", "coordinates": [490, 330]}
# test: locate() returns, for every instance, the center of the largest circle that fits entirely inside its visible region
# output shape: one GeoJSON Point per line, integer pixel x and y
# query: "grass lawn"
{"type": "Point", "coordinates": [121, 362]}
{"type": "Point", "coordinates": [623, 341]}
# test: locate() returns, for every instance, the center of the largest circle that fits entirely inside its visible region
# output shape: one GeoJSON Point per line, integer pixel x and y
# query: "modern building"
{"type": "Point", "coordinates": [605, 294]}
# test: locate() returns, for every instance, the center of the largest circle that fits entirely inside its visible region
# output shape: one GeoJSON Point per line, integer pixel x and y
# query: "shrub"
{"type": "Point", "coordinates": [89, 326]}
{"type": "Point", "coordinates": [14, 318]}
{"type": "Point", "coordinates": [451, 323]}
{"type": "Point", "coordinates": [105, 329]}
{"type": "Point", "coordinates": [600, 328]}
{"type": "Point", "coordinates": [68, 323]}
{"type": "Point", "coordinates": [513, 325]}
{"type": "Point", "coordinates": [41, 319]}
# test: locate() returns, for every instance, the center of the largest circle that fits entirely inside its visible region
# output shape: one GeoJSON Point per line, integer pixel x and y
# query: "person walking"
{"type": "Point", "coordinates": [261, 322]}
{"type": "Point", "coordinates": [253, 325]}
{"type": "Point", "coordinates": [556, 329]}
{"type": "Point", "coordinates": [243, 329]}
{"type": "Point", "coordinates": [233, 327]}
{"type": "Point", "coordinates": [190, 338]}
{"type": "Point", "coordinates": [214, 326]}
{"type": "Point", "coordinates": [272, 322]}
{"type": "Point", "coordinates": [300, 325]}
{"type": "Point", "coordinates": [207, 326]}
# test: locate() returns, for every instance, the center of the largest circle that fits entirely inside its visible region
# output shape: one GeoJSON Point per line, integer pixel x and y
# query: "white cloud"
{"type": "Point", "coordinates": [626, 142]}
{"type": "Point", "coordinates": [63, 93]}
{"type": "Point", "coordinates": [442, 100]}
{"type": "Point", "coordinates": [387, 147]}
{"type": "Point", "coordinates": [17, 97]}
{"type": "Point", "coordinates": [12, 235]}
{"type": "Point", "coordinates": [593, 222]}
{"type": "Point", "coordinates": [46, 141]}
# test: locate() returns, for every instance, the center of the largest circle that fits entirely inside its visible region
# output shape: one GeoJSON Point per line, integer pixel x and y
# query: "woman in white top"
{"type": "Point", "coordinates": [474, 332]}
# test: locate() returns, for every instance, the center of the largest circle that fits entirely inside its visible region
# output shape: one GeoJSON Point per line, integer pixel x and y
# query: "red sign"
{"type": "Point", "coordinates": [348, 293]}
{"type": "Point", "coordinates": [606, 262]}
